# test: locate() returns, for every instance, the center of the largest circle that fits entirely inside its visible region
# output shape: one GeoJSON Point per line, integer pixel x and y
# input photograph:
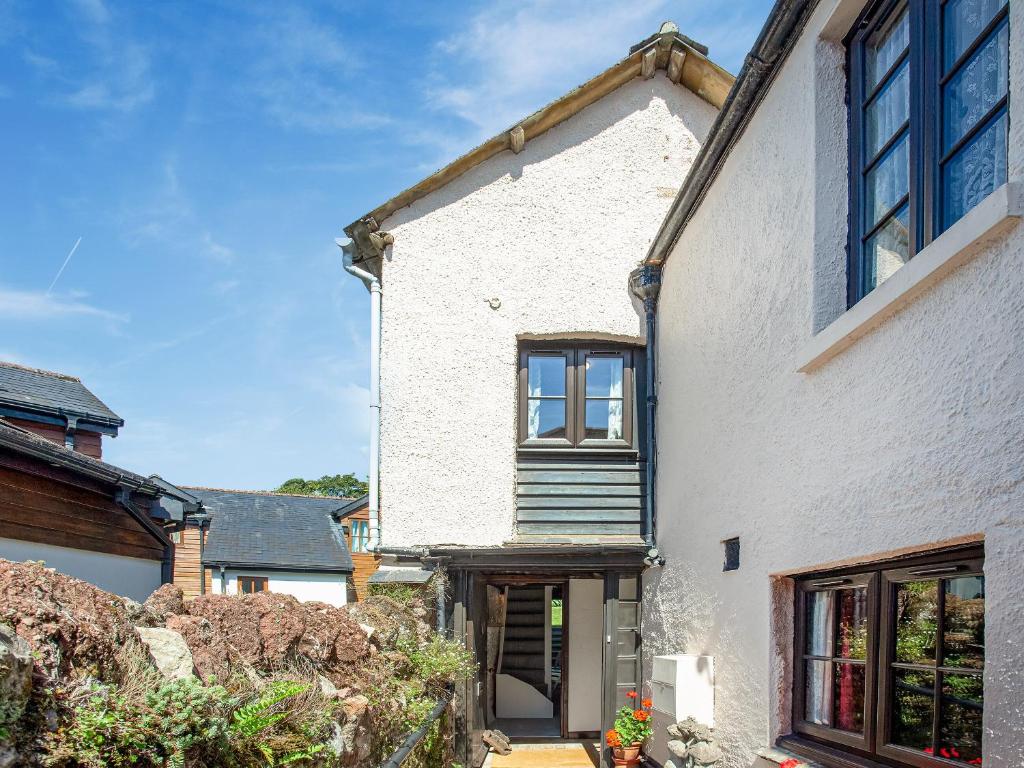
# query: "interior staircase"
{"type": "Point", "coordinates": [523, 654]}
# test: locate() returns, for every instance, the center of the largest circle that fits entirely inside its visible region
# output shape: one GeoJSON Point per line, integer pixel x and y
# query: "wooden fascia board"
{"type": "Point", "coordinates": [699, 74]}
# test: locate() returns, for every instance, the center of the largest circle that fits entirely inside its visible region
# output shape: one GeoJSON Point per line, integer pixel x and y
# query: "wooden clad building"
{"type": "Point", "coordinates": [84, 517]}
{"type": "Point", "coordinates": [313, 547]}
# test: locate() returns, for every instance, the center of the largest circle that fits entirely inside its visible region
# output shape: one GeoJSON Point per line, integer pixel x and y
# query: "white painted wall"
{"type": "Point", "coordinates": [131, 577]}
{"type": "Point", "coordinates": [912, 436]}
{"type": "Point", "coordinates": [330, 588]}
{"type": "Point", "coordinates": [586, 647]}
{"type": "Point", "coordinates": [552, 233]}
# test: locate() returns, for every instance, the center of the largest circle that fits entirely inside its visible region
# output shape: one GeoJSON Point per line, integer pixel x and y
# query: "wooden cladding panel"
{"type": "Point", "coordinates": [89, 443]}
{"type": "Point", "coordinates": [45, 511]}
{"type": "Point", "coordinates": [568, 499]}
{"type": "Point", "coordinates": [187, 566]}
{"type": "Point", "coordinates": [366, 564]}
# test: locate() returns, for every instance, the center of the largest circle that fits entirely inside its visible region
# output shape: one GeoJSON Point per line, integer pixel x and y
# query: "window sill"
{"type": "Point", "coordinates": [953, 248]}
{"type": "Point", "coordinates": [811, 755]}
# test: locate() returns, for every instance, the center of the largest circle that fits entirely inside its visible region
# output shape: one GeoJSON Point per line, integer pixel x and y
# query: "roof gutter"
{"type": "Point", "coordinates": [372, 283]}
{"type": "Point", "coordinates": [780, 32]}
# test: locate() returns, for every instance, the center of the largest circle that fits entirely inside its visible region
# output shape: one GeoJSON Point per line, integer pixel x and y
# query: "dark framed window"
{"type": "Point", "coordinates": [889, 660]}
{"type": "Point", "coordinates": [576, 396]}
{"type": "Point", "coordinates": [928, 98]}
{"type": "Point", "coordinates": [248, 585]}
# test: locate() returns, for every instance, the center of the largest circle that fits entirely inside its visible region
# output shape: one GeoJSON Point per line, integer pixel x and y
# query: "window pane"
{"type": "Point", "coordinates": [545, 418]}
{"type": "Point", "coordinates": [885, 46]}
{"type": "Point", "coordinates": [976, 88]}
{"type": "Point", "coordinates": [546, 375]}
{"type": "Point", "coordinates": [887, 182]}
{"type": "Point", "coordinates": [974, 172]}
{"type": "Point", "coordinates": [888, 112]}
{"type": "Point", "coordinates": [819, 623]}
{"type": "Point", "coordinates": [849, 697]}
{"type": "Point", "coordinates": [852, 631]}
{"type": "Point", "coordinates": [817, 693]}
{"type": "Point", "coordinates": [604, 420]}
{"type": "Point", "coordinates": [626, 642]}
{"type": "Point", "coordinates": [963, 22]}
{"type": "Point", "coordinates": [629, 614]}
{"type": "Point", "coordinates": [887, 250]}
{"type": "Point", "coordinates": [964, 628]}
{"type": "Point", "coordinates": [604, 376]}
{"type": "Point", "coordinates": [912, 707]}
{"type": "Point", "coordinates": [627, 588]}
{"type": "Point", "coordinates": [916, 621]}
{"type": "Point", "coordinates": [960, 723]}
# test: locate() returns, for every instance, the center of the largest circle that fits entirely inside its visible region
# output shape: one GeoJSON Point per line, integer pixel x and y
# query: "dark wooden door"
{"type": "Point", "coordinates": [621, 663]}
{"type": "Point", "coordinates": [469, 619]}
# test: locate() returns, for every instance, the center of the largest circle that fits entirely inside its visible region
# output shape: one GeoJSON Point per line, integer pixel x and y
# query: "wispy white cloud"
{"type": "Point", "coordinates": [18, 304]}
{"type": "Point", "coordinates": [303, 73]}
{"type": "Point", "coordinates": [111, 74]}
{"type": "Point", "coordinates": [543, 45]}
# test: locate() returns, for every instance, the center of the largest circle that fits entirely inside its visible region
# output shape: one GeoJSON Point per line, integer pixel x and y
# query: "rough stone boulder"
{"type": "Point", "coordinates": [15, 677]}
{"type": "Point", "coordinates": [352, 740]}
{"type": "Point", "coordinates": [389, 618]}
{"type": "Point", "coordinates": [168, 651]}
{"type": "Point", "coordinates": [71, 626]}
{"type": "Point", "coordinates": [266, 629]}
{"type": "Point", "coordinates": [166, 600]}
{"type": "Point", "coordinates": [210, 654]}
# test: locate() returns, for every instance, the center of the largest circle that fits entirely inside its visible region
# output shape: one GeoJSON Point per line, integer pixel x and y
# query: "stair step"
{"type": "Point", "coordinates": [522, 661]}
{"type": "Point", "coordinates": [524, 647]}
{"type": "Point", "coordinates": [525, 632]}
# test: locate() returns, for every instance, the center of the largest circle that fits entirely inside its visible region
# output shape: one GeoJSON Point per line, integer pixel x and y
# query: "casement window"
{"type": "Point", "coordinates": [889, 660]}
{"type": "Point", "coordinates": [928, 97]}
{"type": "Point", "coordinates": [576, 396]}
{"type": "Point", "coordinates": [359, 536]}
{"type": "Point", "coordinates": [248, 585]}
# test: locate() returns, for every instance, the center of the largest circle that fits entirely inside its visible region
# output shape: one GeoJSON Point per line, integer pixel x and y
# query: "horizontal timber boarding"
{"type": "Point", "coordinates": [572, 499]}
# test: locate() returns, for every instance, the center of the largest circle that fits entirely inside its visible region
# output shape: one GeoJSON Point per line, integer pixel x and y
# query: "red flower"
{"type": "Point", "coordinates": [631, 695]}
{"type": "Point", "coordinates": [612, 738]}
{"type": "Point", "coordinates": [789, 763]}
{"type": "Point", "coordinates": [943, 752]}
{"type": "Point", "coordinates": [953, 752]}
{"type": "Point", "coordinates": [975, 761]}
{"type": "Point", "coordinates": [929, 751]}
{"type": "Point", "coordinates": [647, 703]}
{"type": "Point", "coordinates": [640, 715]}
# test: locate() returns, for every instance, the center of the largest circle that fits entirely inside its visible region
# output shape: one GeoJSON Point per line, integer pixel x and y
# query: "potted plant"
{"type": "Point", "coordinates": [632, 728]}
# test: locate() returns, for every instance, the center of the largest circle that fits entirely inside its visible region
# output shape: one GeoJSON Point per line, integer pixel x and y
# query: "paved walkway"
{"type": "Point", "coordinates": [563, 755]}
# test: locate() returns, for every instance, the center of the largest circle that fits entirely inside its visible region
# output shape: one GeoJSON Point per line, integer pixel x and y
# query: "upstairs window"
{"type": "Point", "coordinates": [928, 91]}
{"type": "Point", "coordinates": [359, 536]}
{"type": "Point", "coordinates": [576, 396]}
{"type": "Point", "coordinates": [890, 660]}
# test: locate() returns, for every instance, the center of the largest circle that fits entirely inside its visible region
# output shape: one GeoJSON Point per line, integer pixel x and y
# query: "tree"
{"type": "Point", "coordinates": [328, 485]}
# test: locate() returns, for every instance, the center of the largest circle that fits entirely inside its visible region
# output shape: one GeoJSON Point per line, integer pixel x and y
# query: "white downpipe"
{"type": "Point", "coordinates": [371, 282]}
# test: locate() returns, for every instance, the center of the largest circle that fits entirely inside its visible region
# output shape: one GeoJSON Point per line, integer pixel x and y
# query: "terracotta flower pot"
{"type": "Point", "coordinates": [627, 755]}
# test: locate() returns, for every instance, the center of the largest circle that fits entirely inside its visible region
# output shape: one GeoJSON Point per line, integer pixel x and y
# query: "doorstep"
{"type": "Point", "coordinates": [575, 754]}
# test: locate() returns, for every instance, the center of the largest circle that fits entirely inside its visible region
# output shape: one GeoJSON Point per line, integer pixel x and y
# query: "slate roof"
{"type": "Point", "coordinates": [274, 530]}
{"type": "Point", "coordinates": [52, 394]}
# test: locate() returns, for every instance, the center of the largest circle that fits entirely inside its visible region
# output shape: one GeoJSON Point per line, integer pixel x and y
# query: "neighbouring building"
{"type": "Point", "coordinates": [61, 504]}
{"type": "Point", "coordinates": [513, 428]}
{"type": "Point", "coordinates": [774, 478]}
{"type": "Point", "coordinates": [311, 547]}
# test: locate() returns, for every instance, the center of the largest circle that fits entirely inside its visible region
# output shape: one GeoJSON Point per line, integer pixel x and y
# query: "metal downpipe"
{"type": "Point", "coordinates": [348, 249]}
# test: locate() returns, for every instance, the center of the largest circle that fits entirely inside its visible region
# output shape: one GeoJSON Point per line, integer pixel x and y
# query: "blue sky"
{"type": "Point", "coordinates": [208, 153]}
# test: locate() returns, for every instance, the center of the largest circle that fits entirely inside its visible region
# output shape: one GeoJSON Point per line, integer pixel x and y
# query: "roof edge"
{"type": "Point", "coordinates": [783, 27]}
{"type": "Point", "coordinates": [686, 63]}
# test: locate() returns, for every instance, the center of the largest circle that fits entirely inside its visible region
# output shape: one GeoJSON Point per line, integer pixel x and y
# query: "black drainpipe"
{"type": "Point", "coordinates": [645, 283]}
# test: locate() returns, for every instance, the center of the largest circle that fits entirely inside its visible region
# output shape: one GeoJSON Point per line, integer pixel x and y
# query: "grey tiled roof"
{"type": "Point", "coordinates": [46, 392]}
{"type": "Point", "coordinates": [274, 530]}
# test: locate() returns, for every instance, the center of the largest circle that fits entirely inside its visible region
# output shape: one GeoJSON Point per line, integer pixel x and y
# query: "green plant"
{"type": "Point", "coordinates": [632, 724]}
{"type": "Point", "coordinates": [188, 715]}
{"type": "Point", "coordinates": [251, 721]}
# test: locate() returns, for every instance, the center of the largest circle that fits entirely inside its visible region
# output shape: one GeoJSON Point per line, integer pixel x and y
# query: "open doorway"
{"type": "Point", "coordinates": [545, 657]}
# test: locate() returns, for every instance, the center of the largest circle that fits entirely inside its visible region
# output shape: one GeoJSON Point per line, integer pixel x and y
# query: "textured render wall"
{"type": "Point", "coordinates": [914, 435]}
{"type": "Point", "coordinates": [553, 233]}
{"type": "Point", "coordinates": [330, 588]}
{"type": "Point", "coordinates": [131, 577]}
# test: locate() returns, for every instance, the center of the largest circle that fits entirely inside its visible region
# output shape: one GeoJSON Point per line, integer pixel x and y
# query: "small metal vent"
{"type": "Point", "coordinates": [732, 554]}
